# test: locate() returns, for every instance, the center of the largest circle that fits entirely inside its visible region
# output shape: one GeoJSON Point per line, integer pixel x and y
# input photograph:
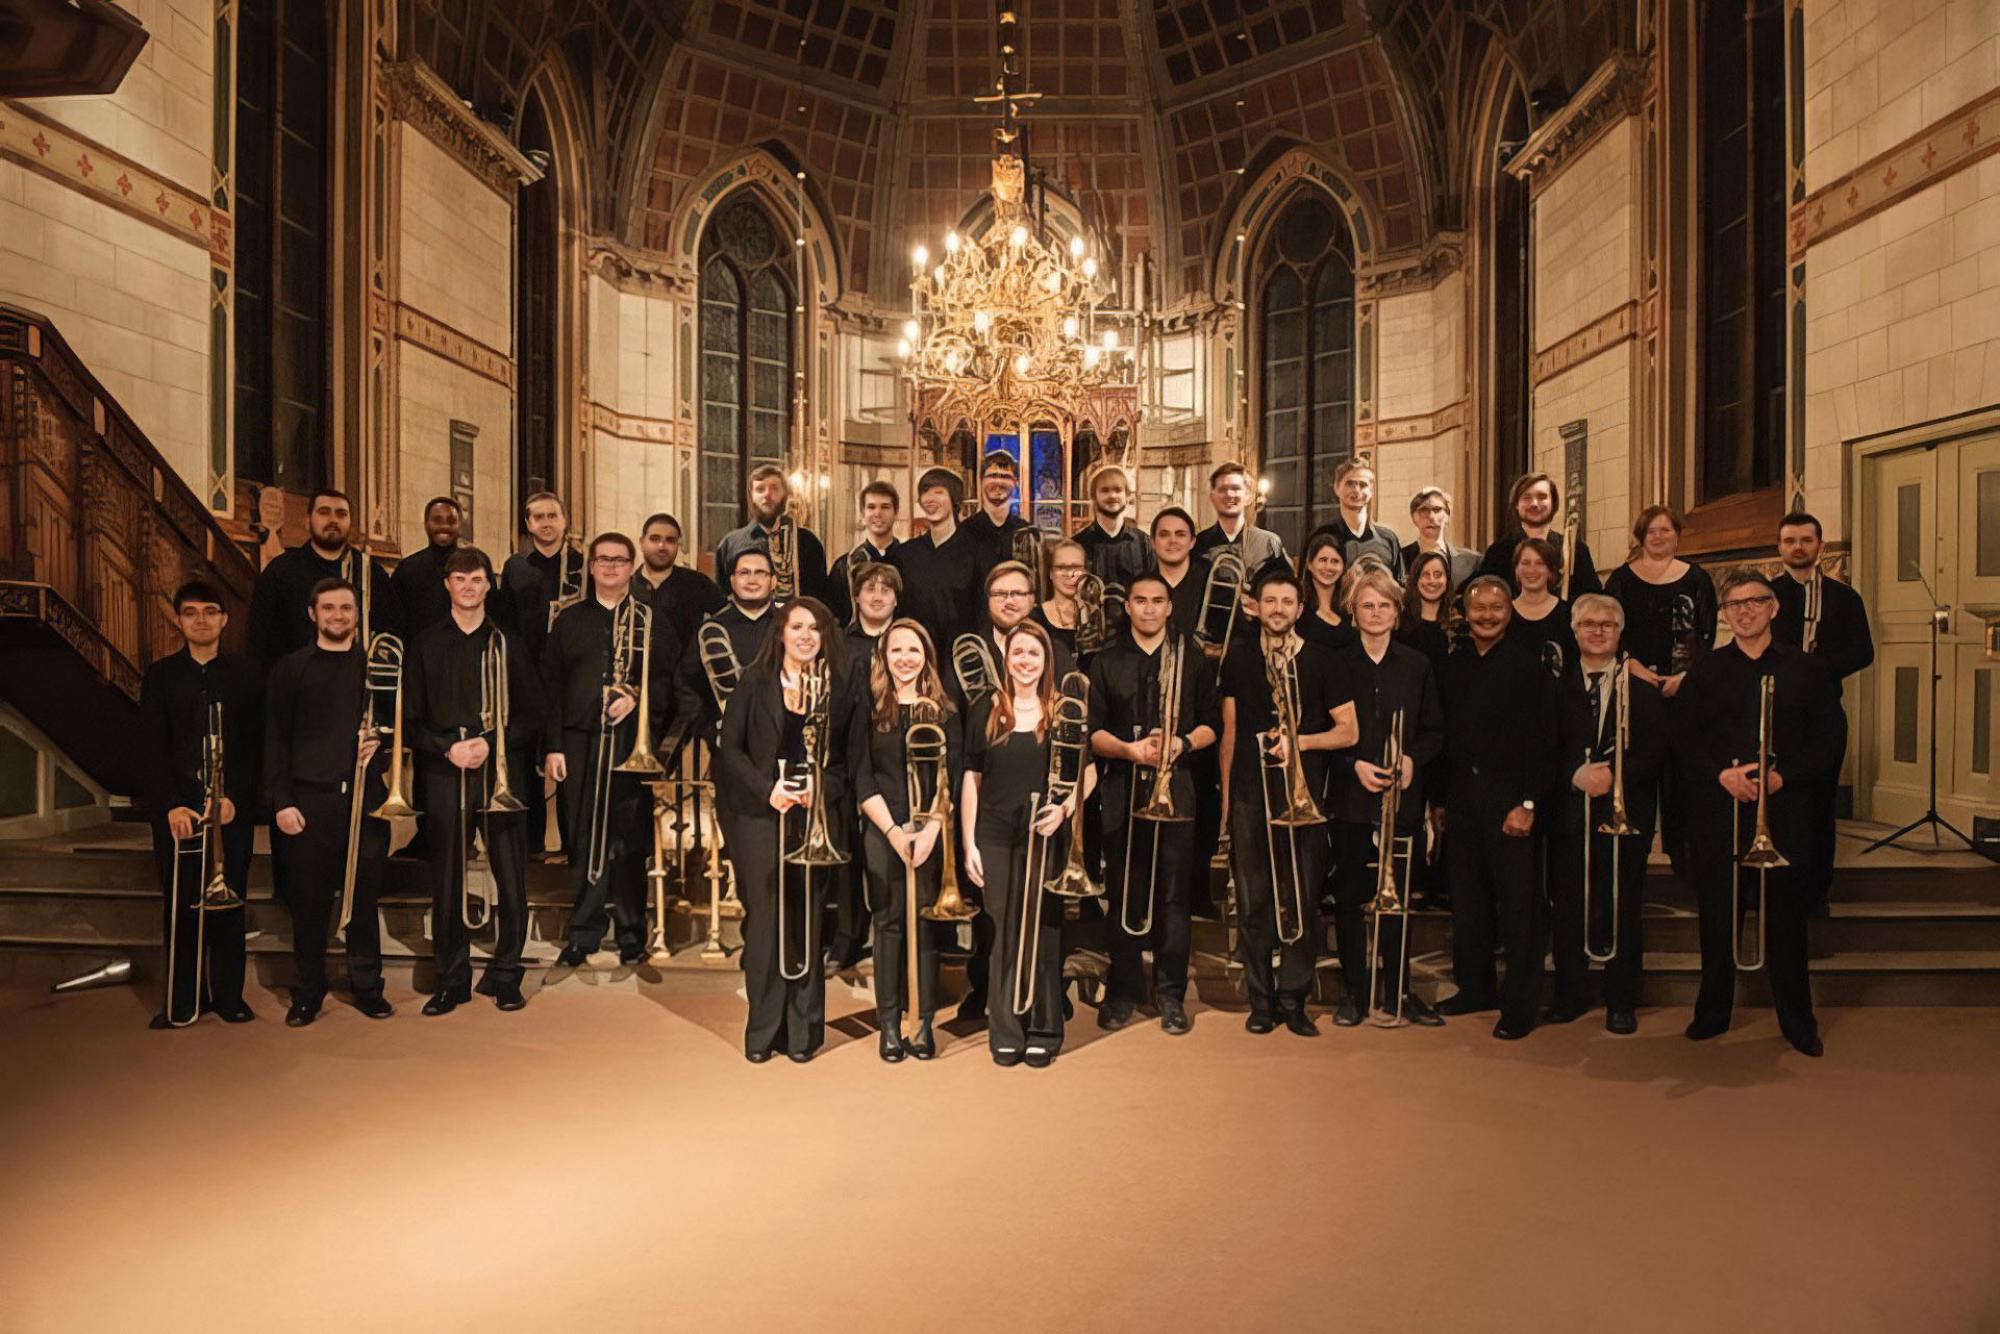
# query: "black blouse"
{"type": "Point", "coordinates": [1553, 628]}
{"type": "Point", "coordinates": [1314, 630]}
{"type": "Point", "coordinates": [1650, 618]}
{"type": "Point", "coordinates": [881, 765]}
{"type": "Point", "coordinates": [1010, 770]}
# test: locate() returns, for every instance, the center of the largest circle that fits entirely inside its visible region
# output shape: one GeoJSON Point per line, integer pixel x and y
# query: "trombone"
{"type": "Point", "coordinates": [1069, 735]}
{"type": "Point", "coordinates": [1159, 807]}
{"type": "Point", "coordinates": [1093, 619]}
{"type": "Point", "coordinates": [1762, 856]}
{"type": "Point", "coordinates": [499, 796]}
{"type": "Point", "coordinates": [1389, 897]}
{"type": "Point", "coordinates": [1809, 634]}
{"type": "Point", "coordinates": [1618, 826]}
{"type": "Point", "coordinates": [1221, 593]}
{"type": "Point", "coordinates": [569, 582]}
{"type": "Point", "coordinates": [719, 662]}
{"type": "Point", "coordinates": [1281, 669]}
{"type": "Point", "coordinates": [382, 674]}
{"type": "Point", "coordinates": [973, 667]}
{"type": "Point", "coordinates": [1030, 550]}
{"type": "Point", "coordinates": [817, 848]}
{"type": "Point", "coordinates": [216, 895]}
{"type": "Point", "coordinates": [925, 749]}
{"type": "Point", "coordinates": [631, 655]}
{"type": "Point", "coordinates": [783, 546]}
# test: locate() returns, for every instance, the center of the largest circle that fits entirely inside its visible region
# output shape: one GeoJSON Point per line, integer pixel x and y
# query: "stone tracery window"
{"type": "Point", "coordinates": [746, 356]}
{"type": "Point", "coordinates": [1305, 324]}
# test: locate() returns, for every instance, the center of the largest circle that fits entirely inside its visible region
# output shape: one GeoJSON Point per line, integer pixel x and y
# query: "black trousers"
{"type": "Point", "coordinates": [1495, 874]}
{"type": "Point", "coordinates": [1285, 986]}
{"type": "Point", "coordinates": [1785, 952]}
{"type": "Point", "coordinates": [1572, 965]}
{"type": "Point", "coordinates": [888, 891]}
{"type": "Point", "coordinates": [1004, 854]}
{"type": "Point", "coordinates": [506, 857]}
{"type": "Point", "coordinates": [786, 1014]}
{"type": "Point", "coordinates": [1354, 876]}
{"type": "Point", "coordinates": [221, 934]}
{"type": "Point", "coordinates": [1817, 874]}
{"type": "Point", "coordinates": [309, 868]}
{"type": "Point", "coordinates": [628, 842]}
{"type": "Point", "coordinates": [1207, 772]}
{"type": "Point", "coordinates": [848, 892]}
{"type": "Point", "coordinates": [1162, 855]}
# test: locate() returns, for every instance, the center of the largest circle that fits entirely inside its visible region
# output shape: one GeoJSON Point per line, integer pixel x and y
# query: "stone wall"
{"type": "Point", "coordinates": [633, 463]}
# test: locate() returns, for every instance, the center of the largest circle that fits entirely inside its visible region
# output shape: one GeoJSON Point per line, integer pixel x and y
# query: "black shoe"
{"type": "Point", "coordinates": [1038, 1058]}
{"type": "Point", "coordinates": [1260, 1023]}
{"type": "Point", "coordinates": [301, 1013]}
{"type": "Point", "coordinates": [1564, 1014]}
{"type": "Point", "coordinates": [442, 1003]}
{"type": "Point", "coordinates": [1298, 1021]}
{"type": "Point", "coordinates": [972, 1010]}
{"type": "Point", "coordinates": [1508, 1033]}
{"type": "Point", "coordinates": [892, 1046]}
{"type": "Point", "coordinates": [831, 968]}
{"type": "Point", "coordinates": [1621, 1022]}
{"type": "Point", "coordinates": [1461, 1003]}
{"type": "Point", "coordinates": [1701, 1030]}
{"type": "Point", "coordinates": [375, 1005]}
{"type": "Point", "coordinates": [572, 956]}
{"type": "Point", "coordinates": [238, 1013]}
{"type": "Point", "coordinates": [921, 1044]}
{"type": "Point", "coordinates": [632, 958]}
{"type": "Point", "coordinates": [798, 1057]}
{"type": "Point", "coordinates": [756, 1057]}
{"type": "Point", "coordinates": [507, 996]}
{"type": "Point", "coordinates": [1807, 1044]}
{"type": "Point", "coordinates": [1174, 1016]}
{"type": "Point", "coordinates": [1114, 1015]}
{"type": "Point", "coordinates": [1006, 1056]}
{"type": "Point", "coordinates": [1346, 1015]}
{"type": "Point", "coordinates": [1421, 1013]}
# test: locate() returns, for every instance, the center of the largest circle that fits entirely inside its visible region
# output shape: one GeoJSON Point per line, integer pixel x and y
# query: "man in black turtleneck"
{"type": "Point", "coordinates": [280, 621]}
{"type": "Point", "coordinates": [313, 711]}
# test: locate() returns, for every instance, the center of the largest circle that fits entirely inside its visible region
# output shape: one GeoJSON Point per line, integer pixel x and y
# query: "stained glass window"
{"type": "Point", "coordinates": [746, 357]}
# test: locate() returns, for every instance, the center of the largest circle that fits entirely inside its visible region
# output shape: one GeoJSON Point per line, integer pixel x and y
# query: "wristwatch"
{"type": "Point", "coordinates": [1528, 805]}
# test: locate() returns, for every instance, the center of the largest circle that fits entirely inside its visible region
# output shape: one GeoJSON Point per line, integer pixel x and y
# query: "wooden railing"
{"type": "Point", "coordinates": [98, 533]}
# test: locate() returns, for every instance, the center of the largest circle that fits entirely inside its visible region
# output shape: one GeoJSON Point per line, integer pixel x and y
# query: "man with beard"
{"type": "Point", "coordinates": [1174, 562]}
{"type": "Point", "coordinates": [746, 618]}
{"type": "Point", "coordinates": [769, 494]}
{"type": "Point", "coordinates": [1229, 493]}
{"type": "Point", "coordinates": [680, 593]}
{"type": "Point", "coordinates": [1360, 537]}
{"type": "Point", "coordinates": [280, 615]}
{"type": "Point", "coordinates": [1536, 503]}
{"type": "Point", "coordinates": [993, 527]}
{"type": "Point", "coordinates": [880, 506]}
{"type": "Point", "coordinates": [419, 577]}
{"type": "Point", "coordinates": [1118, 552]}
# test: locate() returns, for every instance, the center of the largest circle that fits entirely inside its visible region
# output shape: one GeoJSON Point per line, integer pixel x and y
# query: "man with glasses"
{"type": "Point", "coordinates": [746, 619]}
{"type": "Point", "coordinates": [1716, 743]}
{"type": "Point", "coordinates": [577, 670]}
{"type": "Point", "coordinates": [1587, 751]}
{"type": "Point", "coordinates": [1430, 511]}
{"type": "Point", "coordinates": [1838, 636]}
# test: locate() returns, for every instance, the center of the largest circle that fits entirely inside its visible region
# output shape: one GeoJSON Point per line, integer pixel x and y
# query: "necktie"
{"type": "Point", "coordinates": [1596, 704]}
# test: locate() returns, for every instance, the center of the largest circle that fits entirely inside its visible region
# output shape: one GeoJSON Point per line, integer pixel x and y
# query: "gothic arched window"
{"type": "Point", "coordinates": [1305, 322]}
{"type": "Point", "coordinates": [746, 356]}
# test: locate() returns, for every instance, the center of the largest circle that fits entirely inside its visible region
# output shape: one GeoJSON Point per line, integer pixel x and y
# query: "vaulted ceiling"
{"type": "Point", "coordinates": [1153, 113]}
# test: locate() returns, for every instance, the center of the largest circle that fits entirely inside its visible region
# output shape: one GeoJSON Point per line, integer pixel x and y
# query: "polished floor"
{"type": "Point", "coordinates": [606, 1160]}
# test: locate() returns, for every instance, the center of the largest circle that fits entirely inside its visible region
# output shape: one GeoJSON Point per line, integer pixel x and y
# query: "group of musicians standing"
{"type": "Point", "coordinates": [977, 733]}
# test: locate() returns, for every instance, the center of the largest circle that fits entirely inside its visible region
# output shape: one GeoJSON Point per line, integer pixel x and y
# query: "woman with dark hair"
{"type": "Point", "coordinates": [1669, 602]}
{"type": "Point", "coordinates": [1323, 569]}
{"type": "Point", "coordinates": [1006, 764]}
{"type": "Point", "coordinates": [1540, 617]}
{"type": "Point", "coordinates": [1426, 607]}
{"type": "Point", "coordinates": [903, 677]}
{"type": "Point", "coordinates": [766, 765]}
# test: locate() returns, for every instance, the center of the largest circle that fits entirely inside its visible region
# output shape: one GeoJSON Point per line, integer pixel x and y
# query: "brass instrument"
{"type": "Point", "coordinates": [495, 711]}
{"type": "Point", "coordinates": [642, 760]}
{"type": "Point", "coordinates": [1159, 807]}
{"type": "Point", "coordinates": [718, 661]}
{"type": "Point", "coordinates": [1389, 897]}
{"type": "Point", "coordinates": [1762, 856]}
{"type": "Point", "coordinates": [1552, 658]}
{"type": "Point", "coordinates": [1681, 629]}
{"type": "Point", "coordinates": [382, 674]}
{"type": "Point", "coordinates": [783, 545]}
{"type": "Point", "coordinates": [1069, 736]}
{"type": "Point", "coordinates": [215, 894]}
{"type": "Point", "coordinates": [1281, 669]}
{"type": "Point", "coordinates": [1030, 550]}
{"type": "Point", "coordinates": [1809, 635]}
{"type": "Point", "coordinates": [499, 797]}
{"type": "Point", "coordinates": [1221, 593]}
{"type": "Point", "coordinates": [631, 640]}
{"type": "Point", "coordinates": [817, 848]}
{"type": "Point", "coordinates": [858, 560]}
{"type": "Point", "coordinates": [924, 746]}
{"type": "Point", "coordinates": [570, 582]}
{"type": "Point", "coordinates": [1619, 826]}
{"type": "Point", "coordinates": [684, 806]}
{"type": "Point", "coordinates": [1093, 619]}
{"type": "Point", "coordinates": [973, 667]}
{"type": "Point", "coordinates": [1572, 520]}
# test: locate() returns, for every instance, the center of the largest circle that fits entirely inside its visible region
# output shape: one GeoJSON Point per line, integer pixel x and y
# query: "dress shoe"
{"type": "Point", "coordinates": [442, 1003]}
{"type": "Point", "coordinates": [1461, 1003]}
{"type": "Point", "coordinates": [1174, 1016]}
{"type": "Point", "coordinates": [1564, 1014]}
{"type": "Point", "coordinates": [236, 1013]}
{"type": "Point", "coordinates": [1621, 1022]}
{"type": "Point", "coordinates": [921, 1044]}
{"type": "Point", "coordinates": [1298, 1021]}
{"type": "Point", "coordinates": [572, 956]}
{"type": "Point", "coordinates": [1508, 1033]}
{"type": "Point", "coordinates": [756, 1057]}
{"type": "Point", "coordinates": [1700, 1030]}
{"type": "Point", "coordinates": [1114, 1015]}
{"type": "Point", "coordinates": [507, 996]}
{"type": "Point", "coordinates": [1421, 1012]}
{"type": "Point", "coordinates": [1807, 1044]}
{"type": "Point", "coordinates": [892, 1047]}
{"type": "Point", "coordinates": [375, 1005]}
{"type": "Point", "coordinates": [972, 1010]}
{"type": "Point", "coordinates": [1006, 1056]}
{"type": "Point", "coordinates": [631, 958]}
{"type": "Point", "coordinates": [1346, 1015]}
{"type": "Point", "coordinates": [301, 1013]}
{"type": "Point", "coordinates": [1260, 1023]}
{"type": "Point", "coordinates": [1038, 1057]}
{"type": "Point", "coordinates": [798, 1057]}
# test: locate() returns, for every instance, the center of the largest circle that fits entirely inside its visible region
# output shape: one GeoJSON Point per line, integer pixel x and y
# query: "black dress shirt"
{"type": "Point", "coordinates": [1843, 642]}
{"type": "Point", "coordinates": [279, 606]}
{"type": "Point", "coordinates": [1715, 720]}
{"type": "Point", "coordinates": [1402, 680]}
{"type": "Point", "coordinates": [695, 710]}
{"type": "Point", "coordinates": [419, 584]}
{"type": "Point", "coordinates": [941, 585]}
{"type": "Point", "coordinates": [312, 721]}
{"type": "Point", "coordinates": [995, 540]}
{"type": "Point", "coordinates": [684, 598]}
{"type": "Point", "coordinates": [1375, 539]}
{"type": "Point", "coordinates": [754, 536]}
{"type": "Point", "coordinates": [1322, 689]}
{"type": "Point", "coordinates": [1500, 560]}
{"type": "Point", "coordinates": [1117, 560]}
{"type": "Point", "coordinates": [1500, 718]}
{"type": "Point", "coordinates": [1186, 596]}
{"type": "Point", "coordinates": [444, 683]}
{"type": "Point", "coordinates": [1125, 705]}
{"type": "Point", "coordinates": [1257, 546]}
{"type": "Point", "coordinates": [531, 582]}
{"type": "Point", "coordinates": [576, 667]}
{"type": "Point", "coordinates": [174, 700]}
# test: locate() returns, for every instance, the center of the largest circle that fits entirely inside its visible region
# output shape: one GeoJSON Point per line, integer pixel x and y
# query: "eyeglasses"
{"type": "Point", "coordinates": [1596, 627]}
{"type": "Point", "coordinates": [1009, 594]}
{"type": "Point", "coordinates": [1738, 604]}
{"type": "Point", "coordinates": [1433, 509]}
{"type": "Point", "coordinates": [610, 560]}
{"type": "Point", "coordinates": [1066, 569]}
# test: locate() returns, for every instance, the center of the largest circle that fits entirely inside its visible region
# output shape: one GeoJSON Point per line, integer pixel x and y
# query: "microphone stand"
{"type": "Point", "coordinates": [1940, 613]}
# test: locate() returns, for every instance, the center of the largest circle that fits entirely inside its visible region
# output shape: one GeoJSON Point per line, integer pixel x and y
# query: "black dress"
{"type": "Point", "coordinates": [1548, 637]}
{"type": "Point", "coordinates": [1657, 616]}
{"type": "Point", "coordinates": [1012, 771]}
{"type": "Point", "coordinates": [1314, 629]}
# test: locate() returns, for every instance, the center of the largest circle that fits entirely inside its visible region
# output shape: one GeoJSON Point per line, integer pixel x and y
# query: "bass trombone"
{"type": "Point", "coordinates": [1069, 736]}
{"type": "Point", "coordinates": [973, 667]}
{"type": "Point", "coordinates": [499, 797]}
{"type": "Point", "coordinates": [719, 663]}
{"type": "Point", "coordinates": [570, 582]}
{"type": "Point", "coordinates": [1159, 807]}
{"type": "Point", "coordinates": [1281, 670]}
{"type": "Point", "coordinates": [783, 546]}
{"type": "Point", "coordinates": [382, 675]}
{"type": "Point", "coordinates": [1389, 897]}
{"type": "Point", "coordinates": [631, 655]}
{"type": "Point", "coordinates": [924, 746]}
{"type": "Point", "coordinates": [1221, 595]}
{"type": "Point", "coordinates": [1619, 826]}
{"type": "Point", "coordinates": [1762, 856]}
{"type": "Point", "coordinates": [215, 894]}
{"type": "Point", "coordinates": [817, 849]}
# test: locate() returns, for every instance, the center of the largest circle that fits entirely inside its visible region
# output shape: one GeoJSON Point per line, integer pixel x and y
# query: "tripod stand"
{"type": "Point", "coordinates": [1930, 817]}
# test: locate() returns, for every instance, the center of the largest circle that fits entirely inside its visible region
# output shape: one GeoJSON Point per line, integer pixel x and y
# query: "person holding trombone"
{"type": "Point", "coordinates": [474, 703]}
{"type": "Point", "coordinates": [1757, 723]}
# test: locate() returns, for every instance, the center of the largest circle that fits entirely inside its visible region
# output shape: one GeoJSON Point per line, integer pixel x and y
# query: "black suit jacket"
{"type": "Point", "coordinates": [1585, 740]}
{"type": "Point", "coordinates": [753, 731]}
